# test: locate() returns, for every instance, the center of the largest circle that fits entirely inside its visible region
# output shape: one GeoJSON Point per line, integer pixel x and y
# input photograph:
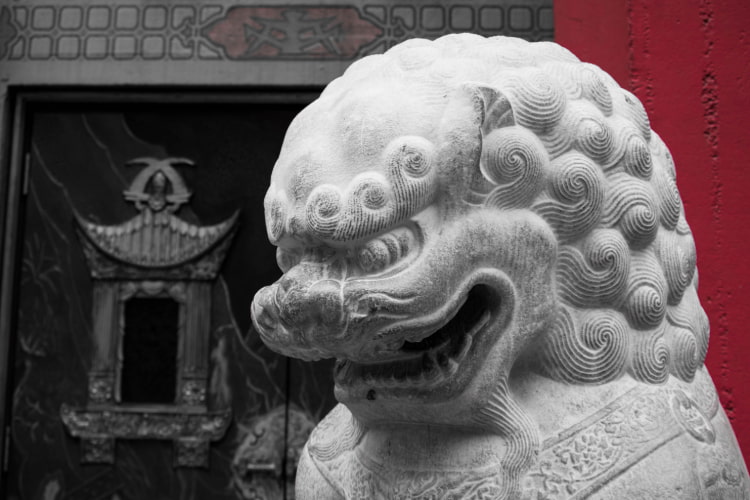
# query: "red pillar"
{"type": "Point", "coordinates": [689, 63]}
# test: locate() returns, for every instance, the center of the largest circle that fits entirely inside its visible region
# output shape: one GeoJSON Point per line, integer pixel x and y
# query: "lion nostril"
{"type": "Point", "coordinates": [264, 312]}
{"type": "Point", "coordinates": [328, 301]}
{"type": "Point", "coordinates": [283, 285]}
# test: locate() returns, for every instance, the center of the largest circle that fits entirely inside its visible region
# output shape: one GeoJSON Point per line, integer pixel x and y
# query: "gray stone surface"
{"type": "Point", "coordinates": [487, 235]}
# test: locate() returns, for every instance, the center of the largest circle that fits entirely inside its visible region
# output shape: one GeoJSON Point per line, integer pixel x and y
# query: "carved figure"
{"type": "Point", "coordinates": [487, 235]}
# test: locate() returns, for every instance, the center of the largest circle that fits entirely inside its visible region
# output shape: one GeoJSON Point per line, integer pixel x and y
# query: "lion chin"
{"type": "Point", "coordinates": [487, 236]}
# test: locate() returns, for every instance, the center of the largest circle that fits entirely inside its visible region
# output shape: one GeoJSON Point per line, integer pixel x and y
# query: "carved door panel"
{"type": "Point", "coordinates": [77, 156]}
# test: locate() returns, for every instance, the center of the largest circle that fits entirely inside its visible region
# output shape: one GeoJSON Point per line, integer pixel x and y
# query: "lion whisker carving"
{"type": "Point", "coordinates": [488, 237]}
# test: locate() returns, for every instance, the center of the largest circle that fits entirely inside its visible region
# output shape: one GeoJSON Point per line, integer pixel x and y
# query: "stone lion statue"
{"type": "Point", "coordinates": [487, 236]}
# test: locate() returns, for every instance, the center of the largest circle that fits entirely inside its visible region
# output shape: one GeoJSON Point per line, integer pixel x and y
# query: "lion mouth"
{"type": "Point", "coordinates": [429, 361]}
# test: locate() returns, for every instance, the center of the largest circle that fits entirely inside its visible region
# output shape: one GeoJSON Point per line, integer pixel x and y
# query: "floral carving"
{"type": "Point", "coordinates": [626, 431]}
{"type": "Point", "coordinates": [194, 392]}
{"type": "Point", "coordinates": [593, 451]}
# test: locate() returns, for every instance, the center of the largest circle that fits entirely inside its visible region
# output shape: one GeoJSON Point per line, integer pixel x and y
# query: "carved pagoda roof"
{"type": "Point", "coordinates": [156, 237]}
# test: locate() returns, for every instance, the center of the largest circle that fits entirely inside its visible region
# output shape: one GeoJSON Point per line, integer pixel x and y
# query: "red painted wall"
{"type": "Point", "coordinates": [689, 63]}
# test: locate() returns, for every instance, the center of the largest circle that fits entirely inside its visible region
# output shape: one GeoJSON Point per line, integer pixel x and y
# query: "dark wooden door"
{"type": "Point", "coordinates": [76, 155]}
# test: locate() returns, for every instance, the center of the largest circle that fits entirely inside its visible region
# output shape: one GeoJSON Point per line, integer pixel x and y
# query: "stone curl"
{"type": "Point", "coordinates": [579, 152]}
{"type": "Point", "coordinates": [371, 201]}
{"type": "Point", "coordinates": [625, 251]}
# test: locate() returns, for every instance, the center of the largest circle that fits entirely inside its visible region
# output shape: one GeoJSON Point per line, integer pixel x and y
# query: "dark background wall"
{"type": "Point", "coordinates": [689, 63]}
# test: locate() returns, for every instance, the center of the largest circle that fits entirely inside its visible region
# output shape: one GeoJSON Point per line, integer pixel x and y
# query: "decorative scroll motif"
{"type": "Point", "coordinates": [223, 30]}
{"type": "Point", "coordinates": [191, 432]}
{"type": "Point", "coordinates": [194, 392]}
{"type": "Point", "coordinates": [156, 254]}
{"type": "Point", "coordinates": [585, 457]}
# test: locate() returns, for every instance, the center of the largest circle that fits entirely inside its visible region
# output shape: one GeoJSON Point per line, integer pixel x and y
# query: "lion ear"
{"type": "Point", "coordinates": [497, 111]}
{"type": "Point", "coordinates": [474, 106]}
{"type": "Point", "coordinates": [472, 112]}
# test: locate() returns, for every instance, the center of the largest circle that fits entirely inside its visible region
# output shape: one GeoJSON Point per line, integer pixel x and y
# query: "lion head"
{"type": "Point", "coordinates": [453, 209]}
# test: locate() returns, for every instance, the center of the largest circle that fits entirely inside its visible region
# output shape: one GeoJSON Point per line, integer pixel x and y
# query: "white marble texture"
{"type": "Point", "coordinates": [487, 235]}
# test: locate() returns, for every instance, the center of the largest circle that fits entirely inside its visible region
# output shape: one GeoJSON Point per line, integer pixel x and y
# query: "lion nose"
{"type": "Point", "coordinates": [318, 305]}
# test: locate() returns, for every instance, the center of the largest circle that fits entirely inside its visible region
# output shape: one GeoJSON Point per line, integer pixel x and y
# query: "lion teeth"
{"type": "Point", "coordinates": [465, 346]}
{"type": "Point", "coordinates": [452, 366]}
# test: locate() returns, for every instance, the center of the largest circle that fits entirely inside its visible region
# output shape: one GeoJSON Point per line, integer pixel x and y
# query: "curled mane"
{"type": "Point", "coordinates": [573, 147]}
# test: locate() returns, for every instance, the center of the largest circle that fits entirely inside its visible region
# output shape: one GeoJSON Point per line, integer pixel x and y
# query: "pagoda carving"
{"type": "Point", "coordinates": [154, 255]}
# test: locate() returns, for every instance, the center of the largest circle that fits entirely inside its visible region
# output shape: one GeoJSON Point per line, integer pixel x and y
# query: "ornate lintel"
{"type": "Point", "coordinates": [191, 432]}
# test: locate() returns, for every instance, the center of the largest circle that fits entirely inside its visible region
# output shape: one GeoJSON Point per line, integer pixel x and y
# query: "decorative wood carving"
{"type": "Point", "coordinates": [154, 254]}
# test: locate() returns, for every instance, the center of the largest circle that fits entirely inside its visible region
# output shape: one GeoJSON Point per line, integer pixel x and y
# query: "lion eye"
{"type": "Point", "coordinates": [384, 251]}
{"type": "Point", "coordinates": [374, 256]}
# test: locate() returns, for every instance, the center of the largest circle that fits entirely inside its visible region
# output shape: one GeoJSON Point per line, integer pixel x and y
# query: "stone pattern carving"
{"type": "Point", "coordinates": [223, 30]}
{"type": "Point", "coordinates": [587, 456]}
{"type": "Point", "coordinates": [488, 236]}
